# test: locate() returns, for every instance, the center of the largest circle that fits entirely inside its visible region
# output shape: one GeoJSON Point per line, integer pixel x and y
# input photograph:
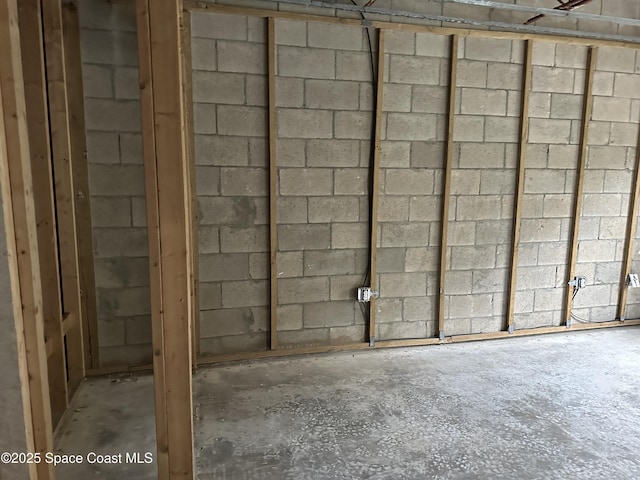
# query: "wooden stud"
{"type": "Point", "coordinates": [632, 222]}
{"type": "Point", "coordinates": [582, 164]}
{"type": "Point", "coordinates": [375, 187]}
{"type": "Point", "coordinates": [64, 187]}
{"type": "Point", "coordinates": [517, 214]}
{"type": "Point", "coordinates": [273, 184]}
{"type": "Point", "coordinates": [167, 172]}
{"type": "Point", "coordinates": [193, 5]}
{"type": "Point", "coordinates": [188, 109]}
{"type": "Point", "coordinates": [22, 244]}
{"type": "Point", "coordinates": [446, 189]}
{"type": "Point", "coordinates": [80, 179]}
{"type": "Point", "coordinates": [42, 177]}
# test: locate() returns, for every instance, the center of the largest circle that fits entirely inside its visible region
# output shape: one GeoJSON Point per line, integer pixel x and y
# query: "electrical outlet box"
{"type": "Point", "coordinates": [633, 281]}
{"type": "Point", "coordinates": [365, 294]}
{"type": "Point", "coordinates": [579, 282]}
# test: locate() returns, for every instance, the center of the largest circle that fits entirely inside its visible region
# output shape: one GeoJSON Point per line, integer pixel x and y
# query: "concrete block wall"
{"type": "Point", "coordinates": [613, 137]}
{"type": "Point", "coordinates": [116, 180]}
{"type": "Point", "coordinates": [229, 61]}
{"type": "Point", "coordinates": [411, 167]}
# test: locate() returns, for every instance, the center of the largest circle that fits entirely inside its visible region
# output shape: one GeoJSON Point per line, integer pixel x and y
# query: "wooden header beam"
{"type": "Point", "coordinates": [22, 243]}
{"type": "Point", "coordinates": [273, 185]}
{"type": "Point", "coordinates": [167, 179]}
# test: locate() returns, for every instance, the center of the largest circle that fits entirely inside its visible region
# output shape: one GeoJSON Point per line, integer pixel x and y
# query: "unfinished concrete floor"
{"type": "Point", "coordinates": [563, 406]}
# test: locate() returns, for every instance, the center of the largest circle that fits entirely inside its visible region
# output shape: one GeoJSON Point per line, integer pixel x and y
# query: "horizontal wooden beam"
{"type": "Point", "coordinates": [407, 27]}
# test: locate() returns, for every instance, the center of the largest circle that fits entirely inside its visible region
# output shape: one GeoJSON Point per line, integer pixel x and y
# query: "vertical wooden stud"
{"type": "Point", "coordinates": [522, 153]}
{"type": "Point", "coordinates": [42, 177]}
{"type": "Point", "coordinates": [169, 221]}
{"type": "Point", "coordinates": [80, 179]}
{"type": "Point", "coordinates": [273, 182]}
{"type": "Point", "coordinates": [446, 191]}
{"type": "Point", "coordinates": [22, 243]}
{"type": "Point", "coordinates": [375, 187]}
{"type": "Point", "coordinates": [632, 223]}
{"type": "Point", "coordinates": [582, 164]}
{"type": "Point", "coordinates": [64, 188]}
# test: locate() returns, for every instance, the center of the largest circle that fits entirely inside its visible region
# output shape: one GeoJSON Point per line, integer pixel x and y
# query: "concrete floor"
{"type": "Point", "coordinates": [563, 406]}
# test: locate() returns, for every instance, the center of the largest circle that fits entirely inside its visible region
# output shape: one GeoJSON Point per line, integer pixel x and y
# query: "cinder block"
{"type": "Point", "coordinates": [539, 230]}
{"type": "Point", "coordinates": [203, 54]}
{"type": "Point", "coordinates": [408, 181]}
{"type": "Point", "coordinates": [624, 134]}
{"type": "Point", "coordinates": [481, 155]}
{"type": "Point", "coordinates": [242, 121]}
{"type": "Point", "coordinates": [601, 205]}
{"type": "Point", "coordinates": [483, 102]}
{"type": "Point", "coordinates": [478, 207]}
{"type": "Point", "coordinates": [111, 331]}
{"type": "Point", "coordinates": [113, 212]}
{"type": "Point", "coordinates": [344, 287]}
{"type": "Point", "coordinates": [215, 150]}
{"type": "Point", "coordinates": [589, 228]}
{"type": "Point", "coordinates": [572, 56]}
{"type": "Point", "coordinates": [403, 285]}
{"type": "Point", "coordinates": [468, 128]}
{"type": "Point", "coordinates": [539, 105]}
{"type": "Point", "coordinates": [349, 235]}
{"type": "Point", "coordinates": [204, 119]}
{"type": "Point", "coordinates": [524, 301]}
{"type": "Point", "coordinates": [388, 310]}
{"type": "Point", "coordinates": [626, 85]}
{"type": "Point", "coordinates": [333, 153]}
{"type": "Point", "coordinates": [496, 182]}
{"type": "Point", "coordinates": [411, 126]}
{"type": "Point", "coordinates": [351, 181]}
{"type": "Point", "coordinates": [414, 70]}
{"type": "Point", "coordinates": [303, 237]}
{"type": "Point", "coordinates": [353, 125]}
{"type": "Point", "coordinates": [244, 239]}
{"type": "Point", "coordinates": [558, 80]}
{"type": "Point", "coordinates": [461, 233]}
{"type": "Point", "coordinates": [470, 258]}
{"type": "Point", "coordinates": [306, 337]}
{"type": "Point", "coordinates": [493, 232]}
{"type": "Point", "coordinates": [471, 74]}
{"type": "Point", "coordinates": [229, 321]}
{"type": "Point", "coordinates": [405, 234]}
{"type": "Point", "coordinates": [249, 293]}
{"type": "Point", "coordinates": [332, 314]}
{"type": "Point", "coordinates": [566, 106]}
{"type": "Point", "coordinates": [390, 260]}
{"type": "Point", "coordinates": [289, 317]}
{"type": "Point", "coordinates": [616, 59]}
{"type": "Point", "coordinates": [422, 259]}
{"type": "Point", "coordinates": [110, 115]}
{"type": "Point", "coordinates": [400, 42]}
{"type": "Point", "coordinates": [528, 255]}
{"type": "Point", "coordinates": [594, 296]}
{"type": "Point", "coordinates": [504, 76]}
{"type": "Point", "coordinates": [549, 131]}
{"type": "Point", "coordinates": [257, 29]}
{"type": "Point", "coordinates": [259, 266]}
{"type": "Point", "coordinates": [333, 209]}
{"type": "Point", "coordinates": [395, 154]}
{"type": "Point", "coordinates": [611, 109]}
{"type": "Point", "coordinates": [303, 290]}
{"type": "Point", "coordinates": [397, 98]}
{"type": "Point", "coordinates": [288, 32]}
{"type": "Point", "coordinates": [544, 53]}
{"type": "Point", "coordinates": [116, 180]}
{"type": "Point", "coordinates": [109, 47]}
{"type": "Point", "coordinates": [425, 208]}
{"type": "Point", "coordinates": [608, 273]}
{"type": "Point", "coordinates": [127, 84]}
{"type": "Point", "coordinates": [306, 181]}
{"type": "Point", "coordinates": [122, 272]}
{"type": "Point", "coordinates": [244, 181]}
{"type": "Point", "coordinates": [487, 281]}
{"type": "Point", "coordinates": [489, 49]}
{"type": "Point", "coordinates": [432, 45]}
{"type": "Point", "coordinates": [502, 129]}
{"type": "Point", "coordinates": [458, 282]}
{"type": "Point", "coordinates": [334, 37]}
{"type": "Point", "coordinates": [220, 88]}
{"type": "Point", "coordinates": [419, 309]}
{"type": "Point", "coordinates": [536, 277]}
{"type": "Point", "coordinates": [563, 156]}
{"type": "Point", "coordinates": [290, 153]}
{"type": "Point", "coordinates": [617, 181]}
{"type": "Point", "coordinates": [402, 330]}
{"type": "Point", "coordinates": [426, 98]}
{"type": "Point", "coordinates": [138, 330]}
{"type": "Point", "coordinates": [331, 94]}
{"type": "Point", "coordinates": [103, 147]}
{"type": "Point", "coordinates": [393, 209]}
{"type": "Point", "coordinates": [464, 306]}
{"type": "Point", "coordinates": [613, 228]}
{"type": "Point", "coordinates": [606, 157]}
{"type": "Point", "coordinates": [208, 239]}
{"type": "Point", "coordinates": [224, 266]}
{"type": "Point", "coordinates": [257, 90]}
{"type": "Point", "coordinates": [558, 206]}
{"type": "Point", "coordinates": [98, 81]}
{"type": "Point", "coordinates": [427, 154]}
{"type": "Point", "coordinates": [289, 92]}
{"type": "Point", "coordinates": [465, 182]}
{"type": "Point", "coordinates": [353, 66]}
{"type": "Point", "coordinates": [232, 210]}
{"type": "Point", "coordinates": [291, 210]}
{"type": "Point", "coordinates": [556, 253]}
{"type": "Point", "coordinates": [543, 181]}
{"type": "Point", "coordinates": [306, 62]}
{"type": "Point", "coordinates": [218, 25]}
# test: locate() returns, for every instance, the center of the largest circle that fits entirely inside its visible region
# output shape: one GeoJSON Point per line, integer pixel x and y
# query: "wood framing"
{"type": "Point", "coordinates": [187, 91]}
{"type": "Point", "coordinates": [80, 182]}
{"type": "Point", "coordinates": [406, 27]}
{"type": "Point", "coordinates": [632, 224]}
{"type": "Point", "coordinates": [375, 187]}
{"type": "Point", "coordinates": [42, 177]}
{"type": "Point", "coordinates": [169, 221]}
{"type": "Point", "coordinates": [587, 108]}
{"type": "Point", "coordinates": [273, 185]}
{"type": "Point", "coordinates": [446, 188]}
{"type": "Point", "coordinates": [64, 188]}
{"type": "Point", "coordinates": [22, 243]}
{"type": "Point", "coordinates": [522, 153]}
